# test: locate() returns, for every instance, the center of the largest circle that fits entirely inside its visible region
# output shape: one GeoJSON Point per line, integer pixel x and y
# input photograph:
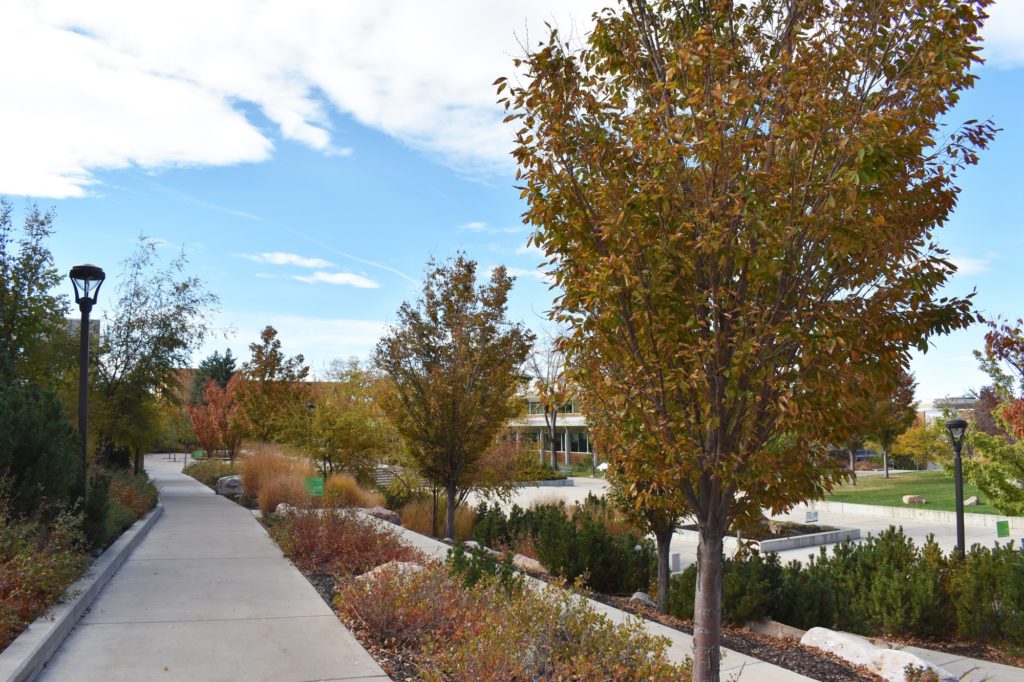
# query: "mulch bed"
{"type": "Point", "coordinates": [785, 653]}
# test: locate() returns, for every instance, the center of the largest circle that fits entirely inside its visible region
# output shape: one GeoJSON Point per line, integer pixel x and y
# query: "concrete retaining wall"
{"type": "Point", "coordinates": [933, 515]}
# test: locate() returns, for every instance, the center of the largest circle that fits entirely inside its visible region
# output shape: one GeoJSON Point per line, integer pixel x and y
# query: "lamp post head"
{"type": "Point", "coordinates": [86, 279]}
{"type": "Point", "coordinates": [957, 428]}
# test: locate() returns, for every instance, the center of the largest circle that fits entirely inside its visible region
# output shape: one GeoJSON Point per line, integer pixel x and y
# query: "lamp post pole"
{"type": "Point", "coordinates": [957, 428]}
{"type": "Point", "coordinates": [86, 279]}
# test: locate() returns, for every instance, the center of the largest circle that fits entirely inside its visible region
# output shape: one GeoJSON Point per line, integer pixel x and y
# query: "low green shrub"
{"type": "Point", "coordinates": [588, 539]}
{"type": "Point", "coordinates": [479, 564]}
{"type": "Point", "coordinates": [987, 593]}
{"type": "Point", "coordinates": [534, 470]}
{"type": "Point", "coordinates": [885, 585]}
{"type": "Point", "coordinates": [208, 471]}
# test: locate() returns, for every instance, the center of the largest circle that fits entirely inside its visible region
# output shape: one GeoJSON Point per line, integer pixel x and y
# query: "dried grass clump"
{"type": "Point", "coordinates": [342, 490]}
{"type": "Point", "coordinates": [268, 462]}
{"type": "Point", "coordinates": [416, 516]}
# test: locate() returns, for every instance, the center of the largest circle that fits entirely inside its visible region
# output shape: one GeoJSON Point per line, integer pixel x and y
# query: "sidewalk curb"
{"type": "Point", "coordinates": [24, 659]}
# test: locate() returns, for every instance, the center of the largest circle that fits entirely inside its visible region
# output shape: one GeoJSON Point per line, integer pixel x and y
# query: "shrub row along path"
{"type": "Point", "coordinates": [207, 595]}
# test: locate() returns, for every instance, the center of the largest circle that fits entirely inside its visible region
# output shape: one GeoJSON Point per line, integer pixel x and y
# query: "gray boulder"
{"type": "Point", "coordinates": [914, 499]}
{"type": "Point", "coordinates": [230, 486]}
{"type": "Point", "coordinates": [643, 598]}
{"type": "Point", "coordinates": [384, 515]}
{"type": "Point", "coordinates": [972, 501]}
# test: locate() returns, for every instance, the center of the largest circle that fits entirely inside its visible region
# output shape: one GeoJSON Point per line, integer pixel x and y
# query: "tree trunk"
{"type": "Point", "coordinates": [664, 539]}
{"type": "Point", "coordinates": [449, 527]}
{"type": "Point", "coordinates": [853, 466]}
{"type": "Point", "coordinates": [138, 462]}
{"type": "Point", "coordinates": [885, 460]}
{"type": "Point", "coordinates": [552, 434]}
{"type": "Point", "coordinates": [707, 607]}
{"type": "Point", "coordinates": [433, 511]}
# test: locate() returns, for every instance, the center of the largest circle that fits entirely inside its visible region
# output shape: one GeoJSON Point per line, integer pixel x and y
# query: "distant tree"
{"type": "Point", "coordinates": [455, 364]}
{"type": "Point", "coordinates": [737, 200]}
{"type": "Point", "coordinates": [892, 416]}
{"type": "Point", "coordinates": [1003, 356]}
{"type": "Point", "coordinates": [347, 428]}
{"type": "Point", "coordinates": [546, 366]}
{"type": "Point", "coordinates": [159, 319]}
{"type": "Point", "coordinates": [273, 396]}
{"type": "Point", "coordinates": [216, 419]}
{"type": "Point", "coordinates": [924, 443]}
{"type": "Point", "coordinates": [34, 343]}
{"type": "Point", "coordinates": [985, 406]}
{"type": "Point", "coordinates": [997, 469]}
{"type": "Point", "coordinates": [216, 367]}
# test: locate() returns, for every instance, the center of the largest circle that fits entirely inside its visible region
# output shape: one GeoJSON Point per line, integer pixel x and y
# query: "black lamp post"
{"type": "Point", "coordinates": [87, 280]}
{"type": "Point", "coordinates": [957, 428]}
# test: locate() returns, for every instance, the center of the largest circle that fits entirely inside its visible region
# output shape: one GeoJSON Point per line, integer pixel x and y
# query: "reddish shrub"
{"type": "Point", "coordinates": [405, 608]}
{"type": "Point", "coordinates": [37, 563]}
{"type": "Point", "coordinates": [338, 542]}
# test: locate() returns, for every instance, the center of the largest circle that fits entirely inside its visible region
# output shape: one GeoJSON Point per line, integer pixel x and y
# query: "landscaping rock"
{"type": "Point", "coordinates": [889, 664]}
{"type": "Point", "coordinates": [972, 501]}
{"type": "Point", "coordinates": [384, 515]}
{"type": "Point", "coordinates": [400, 567]}
{"type": "Point", "coordinates": [230, 486]}
{"type": "Point", "coordinates": [525, 563]}
{"type": "Point", "coordinates": [284, 509]}
{"type": "Point", "coordinates": [643, 598]}
{"type": "Point", "coordinates": [914, 499]}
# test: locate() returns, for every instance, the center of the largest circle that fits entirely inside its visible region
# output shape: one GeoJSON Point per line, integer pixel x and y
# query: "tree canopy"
{"type": "Point", "coordinates": [737, 201]}
{"type": "Point", "coordinates": [160, 317]}
{"type": "Point", "coordinates": [455, 363]}
{"type": "Point", "coordinates": [272, 398]}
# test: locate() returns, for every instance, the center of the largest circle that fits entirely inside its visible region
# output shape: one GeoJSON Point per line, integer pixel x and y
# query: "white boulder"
{"type": "Point", "coordinates": [914, 499]}
{"type": "Point", "coordinates": [972, 501]}
{"type": "Point", "coordinates": [400, 567]}
{"type": "Point", "coordinates": [890, 664]}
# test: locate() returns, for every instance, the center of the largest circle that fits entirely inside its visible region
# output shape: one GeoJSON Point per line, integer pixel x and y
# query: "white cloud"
{"type": "Point", "coordinates": [344, 278]}
{"type": "Point", "coordinates": [534, 273]}
{"type": "Point", "coordinates": [111, 84]}
{"type": "Point", "coordinates": [970, 266]}
{"type": "Point", "coordinates": [1004, 34]}
{"type": "Point", "coordinates": [319, 339]}
{"type": "Point", "coordinates": [281, 258]}
{"type": "Point", "coordinates": [475, 226]}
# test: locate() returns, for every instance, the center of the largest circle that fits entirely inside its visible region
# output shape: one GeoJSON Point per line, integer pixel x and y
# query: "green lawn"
{"type": "Point", "coordinates": [934, 486]}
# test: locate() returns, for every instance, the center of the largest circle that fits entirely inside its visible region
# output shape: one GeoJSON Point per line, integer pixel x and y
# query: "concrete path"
{"type": "Point", "coordinates": [208, 596]}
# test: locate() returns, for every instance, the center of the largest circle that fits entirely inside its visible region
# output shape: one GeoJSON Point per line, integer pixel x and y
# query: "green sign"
{"type": "Point", "coordinates": [198, 454]}
{"type": "Point", "coordinates": [315, 486]}
{"type": "Point", "coordinates": [1002, 529]}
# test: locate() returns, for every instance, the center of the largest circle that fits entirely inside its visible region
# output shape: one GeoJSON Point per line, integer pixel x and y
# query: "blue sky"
{"type": "Point", "coordinates": [310, 157]}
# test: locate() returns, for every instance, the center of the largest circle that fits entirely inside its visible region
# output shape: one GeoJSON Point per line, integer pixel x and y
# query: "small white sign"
{"type": "Point", "coordinates": [812, 516]}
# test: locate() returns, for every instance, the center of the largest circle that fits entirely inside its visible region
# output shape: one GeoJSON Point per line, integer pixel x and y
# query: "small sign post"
{"type": "Point", "coordinates": [812, 516]}
{"type": "Point", "coordinates": [1003, 529]}
{"type": "Point", "coordinates": [315, 486]}
{"type": "Point", "coordinates": [198, 454]}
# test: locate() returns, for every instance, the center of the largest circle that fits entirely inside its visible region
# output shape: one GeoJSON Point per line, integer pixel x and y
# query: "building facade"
{"type": "Point", "coordinates": [573, 443]}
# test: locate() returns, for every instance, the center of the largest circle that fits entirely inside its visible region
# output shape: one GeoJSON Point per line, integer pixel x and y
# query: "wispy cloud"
{"type": "Point", "coordinates": [342, 278]}
{"type": "Point", "coordinates": [532, 250]}
{"type": "Point", "coordinates": [970, 266]}
{"type": "Point", "coordinates": [483, 228]}
{"type": "Point", "coordinates": [282, 258]}
{"type": "Point", "coordinates": [533, 273]}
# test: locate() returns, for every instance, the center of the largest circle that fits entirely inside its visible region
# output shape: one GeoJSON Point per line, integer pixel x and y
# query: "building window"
{"type": "Point", "coordinates": [579, 441]}
{"type": "Point", "coordinates": [535, 407]}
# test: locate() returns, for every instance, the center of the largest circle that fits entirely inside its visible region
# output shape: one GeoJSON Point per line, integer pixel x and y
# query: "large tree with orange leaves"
{"type": "Point", "coordinates": [737, 201]}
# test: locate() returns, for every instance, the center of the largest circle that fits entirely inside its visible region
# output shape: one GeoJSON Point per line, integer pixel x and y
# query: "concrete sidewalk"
{"type": "Point", "coordinates": [207, 595]}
